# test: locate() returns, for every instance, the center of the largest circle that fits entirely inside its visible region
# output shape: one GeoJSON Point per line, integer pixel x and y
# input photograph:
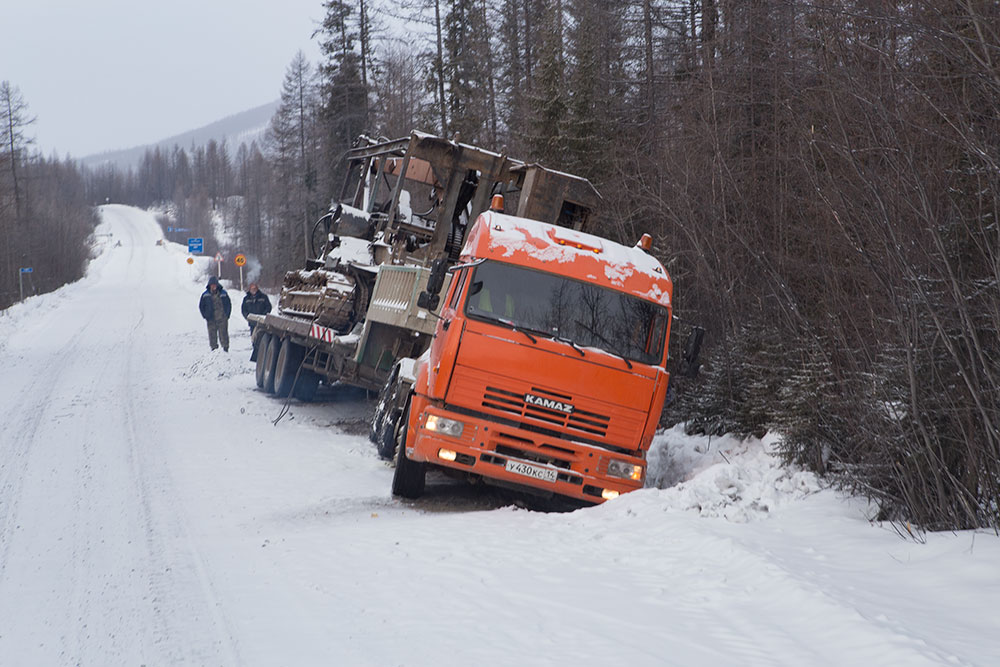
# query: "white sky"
{"type": "Point", "coordinates": [108, 74]}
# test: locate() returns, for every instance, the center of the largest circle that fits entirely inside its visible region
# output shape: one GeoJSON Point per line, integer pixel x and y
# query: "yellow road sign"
{"type": "Point", "coordinates": [240, 260]}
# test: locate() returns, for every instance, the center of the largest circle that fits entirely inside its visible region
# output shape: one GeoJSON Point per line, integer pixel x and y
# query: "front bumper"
{"type": "Point", "coordinates": [512, 456]}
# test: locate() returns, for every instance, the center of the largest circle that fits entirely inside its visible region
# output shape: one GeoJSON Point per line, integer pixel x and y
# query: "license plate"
{"type": "Point", "coordinates": [544, 474]}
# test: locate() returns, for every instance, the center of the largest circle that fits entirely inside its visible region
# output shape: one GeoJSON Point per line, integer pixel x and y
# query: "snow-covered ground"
{"type": "Point", "coordinates": [151, 513]}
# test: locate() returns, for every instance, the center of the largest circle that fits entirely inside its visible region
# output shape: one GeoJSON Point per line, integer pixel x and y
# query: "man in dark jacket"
{"type": "Point", "coordinates": [255, 302]}
{"type": "Point", "coordinates": [216, 308]}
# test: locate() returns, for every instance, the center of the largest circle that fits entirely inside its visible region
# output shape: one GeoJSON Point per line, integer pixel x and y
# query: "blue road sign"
{"type": "Point", "coordinates": [181, 229]}
{"type": "Point", "coordinates": [27, 269]}
{"type": "Point", "coordinates": [196, 245]}
{"type": "Point", "coordinates": [170, 229]}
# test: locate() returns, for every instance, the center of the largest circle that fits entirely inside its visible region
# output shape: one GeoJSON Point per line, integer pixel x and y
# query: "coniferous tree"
{"type": "Point", "coordinates": [547, 124]}
{"type": "Point", "coordinates": [344, 97]}
{"type": "Point", "coordinates": [466, 47]}
{"type": "Point", "coordinates": [14, 121]}
{"type": "Point", "coordinates": [292, 150]}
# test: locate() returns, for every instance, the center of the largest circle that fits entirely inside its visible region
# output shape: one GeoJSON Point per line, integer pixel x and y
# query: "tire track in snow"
{"type": "Point", "coordinates": [748, 604]}
{"type": "Point", "coordinates": [178, 579]}
{"type": "Point", "coordinates": [31, 406]}
{"type": "Point", "coordinates": [112, 574]}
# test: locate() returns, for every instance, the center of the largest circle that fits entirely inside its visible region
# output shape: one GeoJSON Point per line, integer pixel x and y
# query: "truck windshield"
{"type": "Point", "coordinates": [582, 313]}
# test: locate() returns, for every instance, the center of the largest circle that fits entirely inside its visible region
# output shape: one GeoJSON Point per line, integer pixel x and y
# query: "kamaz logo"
{"type": "Point", "coordinates": [541, 402]}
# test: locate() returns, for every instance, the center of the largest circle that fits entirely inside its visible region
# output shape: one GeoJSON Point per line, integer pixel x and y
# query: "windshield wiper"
{"type": "Point", "coordinates": [610, 348]}
{"type": "Point", "coordinates": [518, 329]}
{"type": "Point", "coordinates": [571, 344]}
{"type": "Point", "coordinates": [547, 334]}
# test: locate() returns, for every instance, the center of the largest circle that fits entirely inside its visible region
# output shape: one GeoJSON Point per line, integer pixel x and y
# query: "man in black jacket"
{"type": "Point", "coordinates": [216, 308]}
{"type": "Point", "coordinates": [255, 302]}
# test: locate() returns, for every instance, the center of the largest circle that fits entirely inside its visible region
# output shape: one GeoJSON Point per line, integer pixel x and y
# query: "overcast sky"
{"type": "Point", "coordinates": [107, 74]}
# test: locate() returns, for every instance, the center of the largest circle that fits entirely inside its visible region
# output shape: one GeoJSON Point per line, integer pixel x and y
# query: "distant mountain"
{"type": "Point", "coordinates": [243, 127]}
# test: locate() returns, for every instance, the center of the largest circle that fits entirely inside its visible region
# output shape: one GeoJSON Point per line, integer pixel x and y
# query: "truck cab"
{"type": "Point", "coordinates": [547, 368]}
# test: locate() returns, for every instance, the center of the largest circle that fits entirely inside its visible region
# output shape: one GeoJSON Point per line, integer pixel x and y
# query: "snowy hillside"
{"type": "Point", "coordinates": [151, 513]}
{"type": "Point", "coordinates": [244, 127]}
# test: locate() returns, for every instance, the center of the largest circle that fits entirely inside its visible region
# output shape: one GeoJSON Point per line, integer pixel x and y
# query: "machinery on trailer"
{"type": "Point", "coordinates": [351, 312]}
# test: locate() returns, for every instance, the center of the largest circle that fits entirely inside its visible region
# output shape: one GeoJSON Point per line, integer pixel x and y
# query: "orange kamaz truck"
{"type": "Point", "coordinates": [547, 371]}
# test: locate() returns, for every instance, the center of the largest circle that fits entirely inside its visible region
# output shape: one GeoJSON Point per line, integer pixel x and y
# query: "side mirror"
{"type": "Point", "coordinates": [428, 301]}
{"type": "Point", "coordinates": [692, 349]}
{"type": "Point", "coordinates": [436, 280]}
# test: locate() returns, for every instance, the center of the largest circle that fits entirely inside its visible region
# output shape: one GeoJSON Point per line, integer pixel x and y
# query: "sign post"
{"type": "Point", "coordinates": [218, 260]}
{"type": "Point", "coordinates": [240, 260]}
{"type": "Point", "coordinates": [20, 278]}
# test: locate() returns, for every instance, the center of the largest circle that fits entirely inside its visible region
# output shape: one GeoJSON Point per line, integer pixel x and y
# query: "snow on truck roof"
{"type": "Point", "coordinates": [593, 259]}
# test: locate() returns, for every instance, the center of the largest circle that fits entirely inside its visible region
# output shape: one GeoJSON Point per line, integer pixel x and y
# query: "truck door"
{"type": "Point", "coordinates": [447, 337]}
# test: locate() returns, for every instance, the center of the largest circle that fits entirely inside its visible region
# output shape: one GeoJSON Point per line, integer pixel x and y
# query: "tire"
{"type": "Point", "coordinates": [408, 479]}
{"type": "Point", "coordinates": [262, 358]}
{"type": "Point", "coordinates": [287, 363]}
{"type": "Point", "coordinates": [382, 409]}
{"type": "Point", "coordinates": [307, 386]}
{"type": "Point", "coordinates": [385, 441]}
{"type": "Point", "coordinates": [270, 360]}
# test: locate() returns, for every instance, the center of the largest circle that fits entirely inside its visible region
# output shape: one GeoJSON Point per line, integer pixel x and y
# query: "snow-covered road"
{"type": "Point", "coordinates": [151, 513]}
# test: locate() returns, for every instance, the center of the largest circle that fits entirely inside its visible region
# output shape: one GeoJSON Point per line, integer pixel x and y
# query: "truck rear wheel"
{"type": "Point", "coordinates": [408, 479]}
{"type": "Point", "coordinates": [289, 358]}
{"type": "Point", "coordinates": [261, 358]}
{"type": "Point", "coordinates": [270, 360]}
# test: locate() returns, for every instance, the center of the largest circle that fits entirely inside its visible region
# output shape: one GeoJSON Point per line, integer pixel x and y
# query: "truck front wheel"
{"type": "Point", "coordinates": [385, 441]}
{"type": "Point", "coordinates": [408, 480]}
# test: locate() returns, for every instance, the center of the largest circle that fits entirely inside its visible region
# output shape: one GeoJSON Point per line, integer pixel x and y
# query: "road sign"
{"type": "Point", "coordinates": [240, 260]}
{"type": "Point", "coordinates": [190, 260]}
{"type": "Point", "coordinates": [181, 229]}
{"type": "Point", "coordinates": [196, 245]}
{"type": "Point", "coordinates": [28, 269]}
{"type": "Point", "coordinates": [218, 257]}
{"type": "Point", "coordinates": [170, 229]}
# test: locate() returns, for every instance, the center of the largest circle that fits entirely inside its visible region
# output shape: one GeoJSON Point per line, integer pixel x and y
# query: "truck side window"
{"type": "Point", "coordinates": [456, 292]}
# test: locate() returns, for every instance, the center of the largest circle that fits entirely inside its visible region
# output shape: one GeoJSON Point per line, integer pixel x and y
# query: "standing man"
{"type": "Point", "coordinates": [216, 307]}
{"type": "Point", "coordinates": [255, 302]}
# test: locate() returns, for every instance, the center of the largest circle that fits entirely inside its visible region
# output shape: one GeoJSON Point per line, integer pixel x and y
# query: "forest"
{"type": "Point", "coordinates": [822, 181]}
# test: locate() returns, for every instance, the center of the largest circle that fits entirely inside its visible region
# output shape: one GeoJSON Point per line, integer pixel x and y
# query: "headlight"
{"type": "Point", "coordinates": [445, 426]}
{"type": "Point", "coordinates": [625, 470]}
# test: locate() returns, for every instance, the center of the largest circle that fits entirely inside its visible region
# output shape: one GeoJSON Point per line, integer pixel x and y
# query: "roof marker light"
{"type": "Point", "coordinates": [497, 203]}
{"type": "Point", "coordinates": [645, 242]}
{"type": "Point", "coordinates": [569, 237]}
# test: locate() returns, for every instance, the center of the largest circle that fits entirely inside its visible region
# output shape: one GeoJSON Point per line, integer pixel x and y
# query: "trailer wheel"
{"type": "Point", "coordinates": [307, 386]}
{"type": "Point", "coordinates": [408, 479]}
{"type": "Point", "coordinates": [385, 441]}
{"type": "Point", "coordinates": [261, 352]}
{"type": "Point", "coordinates": [270, 360]}
{"type": "Point", "coordinates": [289, 358]}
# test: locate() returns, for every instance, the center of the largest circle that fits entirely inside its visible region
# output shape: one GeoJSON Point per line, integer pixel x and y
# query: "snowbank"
{"type": "Point", "coordinates": [740, 480]}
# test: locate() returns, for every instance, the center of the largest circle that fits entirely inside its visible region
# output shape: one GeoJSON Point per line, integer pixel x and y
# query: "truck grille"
{"type": "Point", "coordinates": [513, 403]}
